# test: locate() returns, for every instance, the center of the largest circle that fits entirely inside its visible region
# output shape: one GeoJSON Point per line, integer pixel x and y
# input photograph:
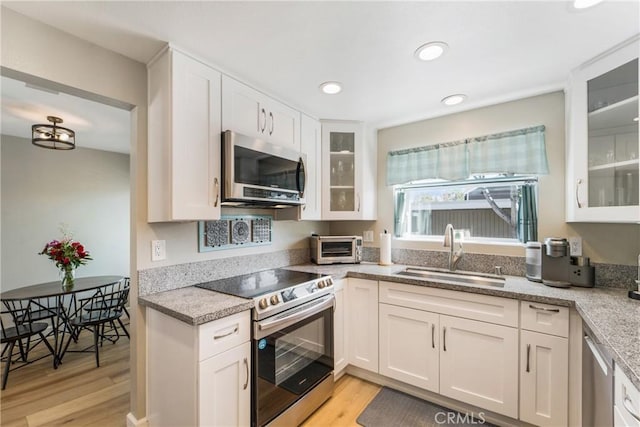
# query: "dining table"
{"type": "Point", "coordinates": [64, 303]}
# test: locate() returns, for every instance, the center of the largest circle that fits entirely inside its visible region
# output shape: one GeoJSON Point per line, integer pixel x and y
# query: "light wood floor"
{"type": "Point", "coordinates": [351, 395]}
{"type": "Point", "coordinates": [75, 394]}
{"type": "Point", "coordinates": [79, 394]}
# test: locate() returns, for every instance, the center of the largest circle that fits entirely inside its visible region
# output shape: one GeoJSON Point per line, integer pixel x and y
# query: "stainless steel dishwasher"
{"type": "Point", "coordinates": [597, 382]}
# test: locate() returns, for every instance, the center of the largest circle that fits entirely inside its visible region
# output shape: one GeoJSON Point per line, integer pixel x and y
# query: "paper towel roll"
{"type": "Point", "coordinates": [385, 249]}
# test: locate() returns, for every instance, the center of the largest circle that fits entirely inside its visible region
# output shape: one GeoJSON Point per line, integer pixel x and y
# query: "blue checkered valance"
{"type": "Point", "coordinates": [520, 151]}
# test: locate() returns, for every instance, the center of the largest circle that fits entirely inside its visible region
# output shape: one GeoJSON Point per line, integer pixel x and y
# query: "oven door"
{"type": "Point", "coordinates": [292, 352]}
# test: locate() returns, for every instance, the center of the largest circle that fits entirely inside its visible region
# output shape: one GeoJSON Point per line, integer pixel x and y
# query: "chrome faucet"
{"type": "Point", "coordinates": [455, 255]}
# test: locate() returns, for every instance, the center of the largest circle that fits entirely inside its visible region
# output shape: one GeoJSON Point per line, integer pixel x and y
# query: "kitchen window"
{"type": "Point", "coordinates": [482, 208]}
{"type": "Point", "coordinates": [485, 186]}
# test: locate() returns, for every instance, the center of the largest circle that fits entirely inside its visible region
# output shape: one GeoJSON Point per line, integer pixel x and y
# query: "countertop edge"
{"type": "Point", "coordinates": [200, 319]}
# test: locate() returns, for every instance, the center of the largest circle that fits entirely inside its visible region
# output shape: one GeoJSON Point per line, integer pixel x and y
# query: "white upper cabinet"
{"type": "Point", "coordinates": [348, 178]}
{"type": "Point", "coordinates": [252, 113]}
{"type": "Point", "coordinates": [602, 138]}
{"type": "Point", "coordinates": [183, 139]}
{"type": "Point", "coordinates": [311, 145]}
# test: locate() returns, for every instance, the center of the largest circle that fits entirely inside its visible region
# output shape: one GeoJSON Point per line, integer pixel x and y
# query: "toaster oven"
{"type": "Point", "coordinates": [336, 249]}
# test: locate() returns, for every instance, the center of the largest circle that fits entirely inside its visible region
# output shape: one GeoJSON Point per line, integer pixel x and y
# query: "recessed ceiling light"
{"type": "Point", "coordinates": [453, 99]}
{"type": "Point", "coordinates": [331, 88]}
{"type": "Point", "coordinates": [583, 4]}
{"type": "Point", "coordinates": [431, 51]}
{"type": "Point", "coordinates": [635, 119]}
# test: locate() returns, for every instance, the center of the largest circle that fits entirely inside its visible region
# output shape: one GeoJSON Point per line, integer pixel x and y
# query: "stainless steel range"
{"type": "Point", "coordinates": [292, 342]}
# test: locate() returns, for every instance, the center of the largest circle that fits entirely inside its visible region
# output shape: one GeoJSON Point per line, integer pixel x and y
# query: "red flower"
{"type": "Point", "coordinates": [66, 252]}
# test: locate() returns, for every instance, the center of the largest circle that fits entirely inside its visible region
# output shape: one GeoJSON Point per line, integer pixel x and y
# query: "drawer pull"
{"type": "Point", "coordinates": [550, 310]}
{"type": "Point", "coordinates": [528, 354]}
{"type": "Point", "coordinates": [628, 405]}
{"type": "Point", "coordinates": [217, 337]}
{"type": "Point", "coordinates": [246, 367]}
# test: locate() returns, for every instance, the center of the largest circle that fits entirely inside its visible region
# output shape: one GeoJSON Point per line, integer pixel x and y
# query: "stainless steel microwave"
{"type": "Point", "coordinates": [336, 249]}
{"type": "Point", "coordinates": [259, 174]}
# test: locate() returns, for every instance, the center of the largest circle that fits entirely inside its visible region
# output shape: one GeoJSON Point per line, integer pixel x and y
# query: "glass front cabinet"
{"type": "Point", "coordinates": [602, 138]}
{"type": "Point", "coordinates": [345, 170]}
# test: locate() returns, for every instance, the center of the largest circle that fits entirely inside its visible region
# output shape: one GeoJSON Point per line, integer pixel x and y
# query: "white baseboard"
{"type": "Point", "coordinates": [132, 421]}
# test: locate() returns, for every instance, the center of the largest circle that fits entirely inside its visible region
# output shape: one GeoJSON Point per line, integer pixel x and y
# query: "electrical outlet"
{"type": "Point", "coordinates": [575, 246]}
{"type": "Point", "coordinates": [158, 250]}
{"type": "Point", "coordinates": [367, 235]}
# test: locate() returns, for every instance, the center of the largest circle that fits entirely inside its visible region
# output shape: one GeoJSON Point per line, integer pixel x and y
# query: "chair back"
{"type": "Point", "coordinates": [104, 303]}
{"type": "Point", "coordinates": [19, 313]}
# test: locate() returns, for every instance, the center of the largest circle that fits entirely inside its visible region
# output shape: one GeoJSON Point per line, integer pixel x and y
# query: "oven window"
{"type": "Point", "coordinates": [337, 249]}
{"type": "Point", "coordinates": [298, 349]}
{"type": "Point", "coordinates": [290, 362]}
{"type": "Point", "coordinates": [256, 168]}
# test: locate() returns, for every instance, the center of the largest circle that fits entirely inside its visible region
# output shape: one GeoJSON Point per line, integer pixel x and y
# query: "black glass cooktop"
{"type": "Point", "coordinates": [260, 283]}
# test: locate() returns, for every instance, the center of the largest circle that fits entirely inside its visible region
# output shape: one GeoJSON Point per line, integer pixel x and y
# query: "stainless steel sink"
{"type": "Point", "coordinates": [458, 277]}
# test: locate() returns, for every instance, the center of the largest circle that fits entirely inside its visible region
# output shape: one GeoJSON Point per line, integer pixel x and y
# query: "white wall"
{"type": "Point", "coordinates": [36, 49]}
{"type": "Point", "coordinates": [86, 189]}
{"type": "Point", "coordinates": [608, 243]}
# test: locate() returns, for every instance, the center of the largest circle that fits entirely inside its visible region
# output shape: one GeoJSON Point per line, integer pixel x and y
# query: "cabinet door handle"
{"type": "Point", "coordinates": [246, 369]}
{"type": "Point", "coordinates": [433, 336]}
{"type": "Point", "coordinates": [358, 196]}
{"type": "Point", "coordinates": [550, 310]}
{"type": "Point", "coordinates": [217, 337]}
{"type": "Point", "coordinates": [578, 202]}
{"type": "Point", "coordinates": [628, 405]}
{"type": "Point", "coordinates": [217, 187]}
{"type": "Point", "coordinates": [444, 338]}
{"type": "Point", "coordinates": [528, 354]}
{"type": "Point", "coordinates": [264, 120]}
{"type": "Point", "coordinates": [272, 123]}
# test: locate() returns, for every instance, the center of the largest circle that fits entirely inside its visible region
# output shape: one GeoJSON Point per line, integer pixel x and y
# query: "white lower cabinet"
{"type": "Point", "coordinates": [409, 346]}
{"type": "Point", "coordinates": [495, 353]}
{"type": "Point", "coordinates": [198, 375]}
{"type": "Point", "coordinates": [362, 323]}
{"type": "Point", "coordinates": [224, 385]}
{"type": "Point", "coordinates": [479, 364]}
{"type": "Point", "coordinates": [626, 408]}
{"type": "Point", "coordinates": [544, 379]}
{"type": "Point", "coordinates": [340, 359]}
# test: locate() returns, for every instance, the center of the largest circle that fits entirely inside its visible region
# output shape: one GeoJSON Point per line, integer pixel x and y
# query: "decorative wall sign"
{"type": "Point", "coordinates": [234, 231]}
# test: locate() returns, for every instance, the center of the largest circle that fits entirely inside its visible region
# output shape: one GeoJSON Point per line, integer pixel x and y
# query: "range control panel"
{"type": "Point", "coordinates": [276, 302]}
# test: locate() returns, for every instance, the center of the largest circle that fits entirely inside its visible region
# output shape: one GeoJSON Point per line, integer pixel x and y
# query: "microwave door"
{"type": "Point", "coordinates": [259, 173]}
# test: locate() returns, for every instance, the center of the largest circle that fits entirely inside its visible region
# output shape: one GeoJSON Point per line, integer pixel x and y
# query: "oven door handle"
{"type": "Point", "coordinates": [281, 322]}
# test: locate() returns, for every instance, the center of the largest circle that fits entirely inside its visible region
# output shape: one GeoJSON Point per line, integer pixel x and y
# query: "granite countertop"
{"type": "Point", "coordinates": [194, 305]}
{"type": "Point", "coordinates": [613, 318]}
{"type": "Point", "coordinates": [609, 313]}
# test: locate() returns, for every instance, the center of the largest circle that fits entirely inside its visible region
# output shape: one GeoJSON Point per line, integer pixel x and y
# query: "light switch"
{"type": "Point", "coordinates": [367, 236]}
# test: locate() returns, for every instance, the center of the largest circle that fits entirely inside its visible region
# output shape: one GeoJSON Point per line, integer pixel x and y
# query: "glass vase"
{"type": "Point", "coordinates": [67, 277]}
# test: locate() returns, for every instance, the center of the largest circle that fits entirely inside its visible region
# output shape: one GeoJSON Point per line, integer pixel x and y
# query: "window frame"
{"type": "Point", "coordinates": [478, 179]}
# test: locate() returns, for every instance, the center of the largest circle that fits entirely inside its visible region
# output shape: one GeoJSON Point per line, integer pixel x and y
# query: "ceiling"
{"type": "Point", "coordinates": [498, 51]}
{"type": "Point", "coordinates": [97, 126]}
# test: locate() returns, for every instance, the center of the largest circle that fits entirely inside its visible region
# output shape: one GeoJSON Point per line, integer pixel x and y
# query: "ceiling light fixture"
{"type": "Point", "coordinates": [583, 4]}
{"type": "Point", "coordinates": [453, 99]}
{"type": "Point", "coordinates": [331, 88]}
{"type": "Point", "coordinates": [431, 51]}
{"type": "Point", "coordinates": [53, 136]}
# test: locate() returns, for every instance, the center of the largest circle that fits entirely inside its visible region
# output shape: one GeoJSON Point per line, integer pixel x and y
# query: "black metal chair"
{"type": "Point", "coordinates": [23, 329]}
{"type": "Point", "coordinates": [104, 307]}
{"type": "Point", "coordinates": [116, 305]}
